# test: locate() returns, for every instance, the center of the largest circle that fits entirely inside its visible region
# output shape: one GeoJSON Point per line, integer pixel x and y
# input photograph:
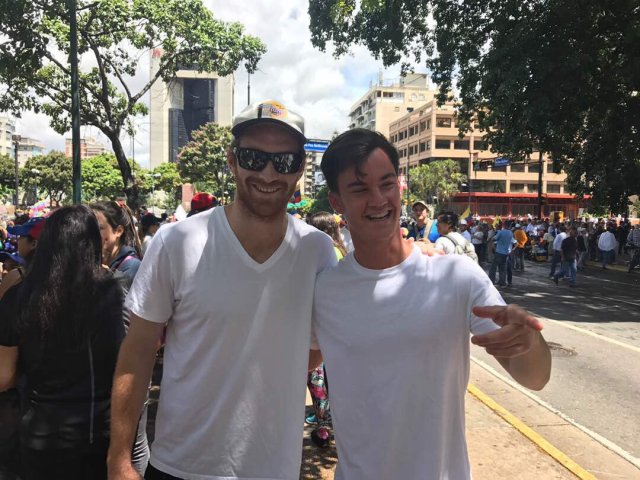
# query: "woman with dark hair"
{"type": "Point", "coordinates": [121, 249]}
{"type": "Point", "coordinates": [61, 329]}
{"type": "Point", "coordinates": [317, 378]}
{"type": "Point", "coordinates": [121, 252]}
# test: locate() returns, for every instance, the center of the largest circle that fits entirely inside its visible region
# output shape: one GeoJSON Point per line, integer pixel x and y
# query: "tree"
{"type": "Point", "coordinates": [203, 161]}
{"type": "Point", "coordinates": [7, 176]}
{"type": "Point", "coordinates": [112, 36]}
{"type": "Point", "coordinates": [545, 75]}
{"type": "Point", "coordinates": [169, 178]}
{"type": "Point", "coordinates": [51, 173]}
{"type": "Point", "coordinates": [321, 202]}
{"type": "Point", "coordinates": [100, 179]}
{"type": "Point", "coordinates": [440, 178]}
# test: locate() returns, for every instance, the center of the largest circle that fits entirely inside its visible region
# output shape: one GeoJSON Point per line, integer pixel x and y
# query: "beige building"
{"type": "Point", "coordinates": [385, 102]}
{"type": "Point", "coordinates": [497, 186]}
{"type": "Point", "coordinates": [29, 148]}
{"type": "Point", "coordinates": [182, 105]}
{"type": "Point", "coordinates": [89, 147]}
{"type": "Point", "coordinates": [7, 130]}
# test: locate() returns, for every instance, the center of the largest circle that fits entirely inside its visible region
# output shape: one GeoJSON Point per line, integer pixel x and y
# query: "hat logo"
{"type": "Point", "coordinates": [272, 109]}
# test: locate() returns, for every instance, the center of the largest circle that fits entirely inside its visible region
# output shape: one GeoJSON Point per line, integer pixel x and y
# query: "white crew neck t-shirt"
{"type": "Point", "coordinates": [237, 347]}
{"type": "Point", "coordinates": [395, 344]}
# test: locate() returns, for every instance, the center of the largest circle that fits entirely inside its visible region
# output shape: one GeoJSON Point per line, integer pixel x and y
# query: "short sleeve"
{"type": "Point", "coordinates": [482, 294]}
{"type": "Point", "coordinates": [152, 295]}
{"type": "Point", "coordinates": [8, 311]}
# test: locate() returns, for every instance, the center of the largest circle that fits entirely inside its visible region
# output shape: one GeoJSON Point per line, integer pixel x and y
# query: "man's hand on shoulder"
{"type": "Point", "coordinates": [427, 247]}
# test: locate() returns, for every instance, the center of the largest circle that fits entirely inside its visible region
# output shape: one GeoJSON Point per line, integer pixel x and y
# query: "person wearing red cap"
{"type": "Point", "coordinates": [202, 202]}
{"type": "Point", "coordinates": [28, 234]}
{"type": "Point", "coordinates": [234, 285]}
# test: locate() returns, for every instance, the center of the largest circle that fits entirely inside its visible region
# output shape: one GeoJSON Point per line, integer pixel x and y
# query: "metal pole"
{"type": "Point", "coordinates": [248, 88]}
{"type": "Point", "coordinates": [16, 143]}
{"type": "Point", "coordinates": [75, 102]}
{"type": "Point", "coordinates": [540, 185]}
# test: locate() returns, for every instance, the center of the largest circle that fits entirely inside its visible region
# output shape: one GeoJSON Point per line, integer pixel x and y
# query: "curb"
{"type": "Point", "coordinates": [537, 439]}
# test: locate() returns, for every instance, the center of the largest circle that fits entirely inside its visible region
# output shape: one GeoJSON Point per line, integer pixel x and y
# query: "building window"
{"type": "Point", "coordinates": [481, 166]}
{"type": "Point", "coordinates": [498, 169]}
{"type": "Point", "coordinates": [428, 144]}
{"type": "Point", "coordinates": [461, 144]}
{"type": "Point", "coordinates": [443, 122]}
{"type": "Point", "coordinates": [445, 144]}
{"type": "Point", "coordinates": [423, 147]}
{"type": "Point", "coordinates": [517, 167]}
{"type": "Point", "coordinates": [421, 96]}
{"type": "Point", "coordinates": [532, 187]}
{"type": "Point", "coordinates": [492, 186]}
{"type": "Point", "coordinates": [396, 109]}
{"type": "Point", "coordinates": [404, 152]}
{"type": "Point", "coordinates": [534, 167]}
{"type": "Point", "coordinates": [428, 124]}
{"type": "Point", "coordinates": [553, 188]}
{"type": "Point", "coordinates": [410, 150]}
{"type": "Point", "coordinates": [480, 145]}
{"type": "Point", "coordinates": [423, 126]}
{"type": "Point", "coordinates": [414, 97]}
{"type": "Point", "coordinates": [517, 187]}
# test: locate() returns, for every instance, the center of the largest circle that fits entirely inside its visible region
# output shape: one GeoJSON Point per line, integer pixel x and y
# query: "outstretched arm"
{"type": "Point", "coordinates": [518, 345]}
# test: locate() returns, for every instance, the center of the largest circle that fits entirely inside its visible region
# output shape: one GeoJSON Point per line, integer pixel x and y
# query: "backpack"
{"type": "Point", "coordinates": [465, 249]}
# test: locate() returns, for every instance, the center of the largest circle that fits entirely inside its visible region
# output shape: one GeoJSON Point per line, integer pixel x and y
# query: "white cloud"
{"type": "Point", "coordinates": [310, 82]}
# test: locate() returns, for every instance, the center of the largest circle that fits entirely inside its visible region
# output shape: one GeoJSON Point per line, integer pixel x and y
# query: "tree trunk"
{"type": "Point", "coordinates": [131, 190]}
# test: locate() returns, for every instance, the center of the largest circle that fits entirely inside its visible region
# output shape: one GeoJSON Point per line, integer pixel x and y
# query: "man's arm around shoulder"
{"type": "Point", "coordinates": [130, 383]}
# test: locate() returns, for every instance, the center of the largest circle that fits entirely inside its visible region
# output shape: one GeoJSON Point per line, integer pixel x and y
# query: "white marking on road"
{"type": "Point", "coordinates": [596, 436]}
{"type": "Point", "coordinates": [599, 336]}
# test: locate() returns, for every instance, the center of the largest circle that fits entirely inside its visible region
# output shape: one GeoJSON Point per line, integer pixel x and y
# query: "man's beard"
{"type": "Point", "coordinates": [257, 206]}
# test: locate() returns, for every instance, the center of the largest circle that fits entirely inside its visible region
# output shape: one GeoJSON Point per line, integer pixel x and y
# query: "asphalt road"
{"type": "Point", "coordinates": [594, 332]}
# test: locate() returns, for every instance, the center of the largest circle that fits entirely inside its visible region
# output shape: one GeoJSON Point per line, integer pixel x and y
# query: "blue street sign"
{"type": "Point", "coordinates": [318, 146]}
{"type": "Point", "coordinates": [501, 162]}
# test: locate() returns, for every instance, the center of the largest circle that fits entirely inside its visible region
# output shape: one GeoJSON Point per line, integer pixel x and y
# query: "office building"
{"type": "Point", "coordinates": [7, 131]}
{"type": "Point", "coordinates": [386, 101]}
{"type": "Point", "coordinates": [183, 104]}
{"type": "Point", "coordinates": [496, 185]}
{"type": "Point", "coordinates": [89, 147]}
{"type": "Point", "coordinates": [29, 148]}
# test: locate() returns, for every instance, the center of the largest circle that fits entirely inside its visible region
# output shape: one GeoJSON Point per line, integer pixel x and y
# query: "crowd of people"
{"type": "Point", "coordinates": [248, 303]}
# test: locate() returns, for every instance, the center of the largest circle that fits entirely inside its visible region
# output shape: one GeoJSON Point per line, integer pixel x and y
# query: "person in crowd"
{"type": "Point", "coordinates": [518, 253]}
{"type": "Point", "coordinates": [201, 202]}
{"type": "Point", "coordinates": [121, 249]}
{"type": "Point", "coordinates": [317, 379]}
{"type": "Point", "coordinates": [463, 229]}
{"type": "Point", "coordinates": [149, 225]}
{"type": "Point", "coordinates": [503, 240]}
{"type": "Point", "coordinates": [569, 250]}
{"type": "Point", "coordinates": [490, 246]}
{"type": "Point", "coordinates": [423, 227]}
{"type": "Point", "coordinates": [235, 287]}
{"type": "Point", "coordinates": [478, 240]}
{"type": "Point", "coordinates": [557, 250]}
{"type": "Point", "coordinates": [607, 245]}
{"type": "Point", "coordinates": [28, 234]}
{"type": "Point", "coordinates": [449, 238]}
{"type": "Point", "coordinates": [399, 366]}
{"type": "Point", "coordinates": [633, 241]}
{"type": "Point", "coordinates": [63, 326]}
{"type": "Point", "coordinates": [582, 239]}
{"type": "Point", "coordinates": [121, 253]}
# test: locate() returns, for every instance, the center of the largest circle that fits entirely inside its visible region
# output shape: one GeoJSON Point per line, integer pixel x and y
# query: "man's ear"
{"type": "Point", "coordinates": [231, 161]}
{"type": "Point", "coordinates": [336, 202]}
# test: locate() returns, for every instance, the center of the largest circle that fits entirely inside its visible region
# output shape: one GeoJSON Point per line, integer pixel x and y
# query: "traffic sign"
{"type": "Point", "coordinates": [501, 162]}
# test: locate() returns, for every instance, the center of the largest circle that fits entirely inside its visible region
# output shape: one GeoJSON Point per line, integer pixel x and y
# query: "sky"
{"type": "Point", "coordinates": [308, 81]}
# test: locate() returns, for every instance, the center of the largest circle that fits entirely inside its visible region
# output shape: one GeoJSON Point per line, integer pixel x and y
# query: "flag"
{"type": "Point", "coordinates": [466, 214]}
{"type": "Point", "coordinates": [296, 198]}
{"type": "Point", "coordinates": [496, 221]}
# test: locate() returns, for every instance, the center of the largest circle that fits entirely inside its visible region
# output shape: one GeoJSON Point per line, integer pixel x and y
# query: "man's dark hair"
{"type": "Point", "coordinates": [449, 218]}
{"type": "Point", "coordinates": [352, 149]}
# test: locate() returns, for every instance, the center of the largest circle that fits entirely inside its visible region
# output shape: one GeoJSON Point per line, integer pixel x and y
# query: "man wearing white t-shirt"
{"type": "Point", "coordinates": [393, 326]}
{"type": "Point", "coordinates": [235, 287]}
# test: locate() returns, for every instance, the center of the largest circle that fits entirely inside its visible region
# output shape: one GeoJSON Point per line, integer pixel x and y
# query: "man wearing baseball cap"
{"type": "Point", "coordinates": [234, 285]}
{"type": "Point", "coordinates": [28, 234]}
{"type": "Point", "coordinates": [201, 202]}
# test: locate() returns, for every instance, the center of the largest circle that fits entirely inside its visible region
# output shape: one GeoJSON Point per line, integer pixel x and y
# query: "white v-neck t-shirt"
{"type": "Point", "coordinates": [237, 346]}
{"type": "Point", "coordinates": [395, 343]}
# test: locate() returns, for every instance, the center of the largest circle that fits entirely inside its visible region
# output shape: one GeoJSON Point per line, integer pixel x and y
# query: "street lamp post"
{"type": "Point", "coordinates": [36, 172]}
{"type": "Point", "coordinates": [153, 177]}
{"type": "Point", "coordinates": [16, 143]}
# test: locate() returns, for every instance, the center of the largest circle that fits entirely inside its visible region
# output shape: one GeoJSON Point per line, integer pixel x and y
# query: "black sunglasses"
{"type": "Point", "coordinates": [256, 160]}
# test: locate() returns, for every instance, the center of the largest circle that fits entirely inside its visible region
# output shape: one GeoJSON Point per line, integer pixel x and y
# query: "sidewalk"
{"type": "Point", "coordinates": [496, 450]}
